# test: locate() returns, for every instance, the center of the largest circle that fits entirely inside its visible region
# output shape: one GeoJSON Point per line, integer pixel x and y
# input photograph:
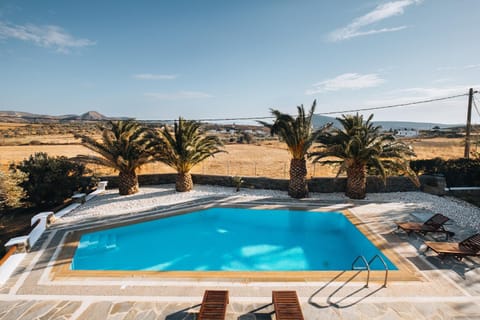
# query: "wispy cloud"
{"type": "Point", "coordinates": [408, 95]}
{"type": "Point", "coordinates": [47, 36]}
{"type": "Point", "coordinates": [443, 80]}
{"type": "Point", "coordinates": [149, 76]}
{"type": "Point", "coordinates": [346, 81]}
{"type": "Point", "coordinates": [467, 67]}
{"type": "Point", "coordinates": [357, 27]}
{"type": "Point", "coordinates": [180, 95]}
{"type": "Point", "coordinates": [432, 92]}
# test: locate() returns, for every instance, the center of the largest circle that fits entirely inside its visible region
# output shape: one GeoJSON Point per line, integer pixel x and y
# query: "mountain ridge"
{"type": "Point", "coordinates": [318, 120]}
{"type": "Point", "coordinates": [27, 117]}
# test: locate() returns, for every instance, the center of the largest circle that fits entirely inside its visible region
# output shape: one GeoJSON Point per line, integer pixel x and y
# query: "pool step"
{"type": "Point", "coordinates": [101, 242]}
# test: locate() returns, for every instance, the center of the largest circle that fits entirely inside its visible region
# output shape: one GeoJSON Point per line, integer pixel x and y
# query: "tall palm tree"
{"type": "Point", "coordinates": [125, 146]}
{"type": "Point", "coordinates": [299, 135]}
{"type": "Point", "coordinates": [185, 148]}
{"type": "Point", "coordinates": [360, 146]}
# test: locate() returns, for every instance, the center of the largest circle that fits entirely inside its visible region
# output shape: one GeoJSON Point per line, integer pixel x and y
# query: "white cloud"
{"type": "Point", "coordinates": [409, 95]}
{"type": "Point", "coordinates": [346, 81]}
{"type": "Point", "coordinates": [433, 92]}
{"type": "Point", "coordinates": [381, 12]}
{"type": "Point", "coordinates": [441, 111]}
{"type": "Point", "coordinates": [467, 67]}
{"type": "Point", "coordinates": [443, 80]}
{"type": "Point", "coordinates": [181, 95]}
{"type": "Point", "coordinates": [45, 36]}
{"type": "Point", "coordinates": [149, 76]}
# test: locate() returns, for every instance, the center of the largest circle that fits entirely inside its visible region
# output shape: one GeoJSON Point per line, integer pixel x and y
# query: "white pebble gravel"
{"type": "Point", "coordinates": [152, 197]}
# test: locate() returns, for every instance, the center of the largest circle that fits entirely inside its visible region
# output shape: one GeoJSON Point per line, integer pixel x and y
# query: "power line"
{"type": "Point", "coordinates": [272, 117]}
{"type": "Point", "coordinates": [475, 105]}
{"type": "Point", "coordinates": [343, 111]}
{"type": "Point", "coordinates": [398, 105]}
{"type": "Point", "coordinates": [215, 119]}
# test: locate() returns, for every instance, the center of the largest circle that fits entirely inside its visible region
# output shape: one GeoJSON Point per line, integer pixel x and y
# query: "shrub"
{"type": "Point", "coordinates": [457, 172]}
{"type": "Point", "coordinates": [11, 193]}
{"type": "Point", "coordinates": [51, 180]}
{"type": "Point", "coordinates": [237, 182]}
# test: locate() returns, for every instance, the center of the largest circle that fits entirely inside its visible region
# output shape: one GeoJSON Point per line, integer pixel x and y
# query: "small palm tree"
{"type": "Point", "coordinates": [125, 146]}
{"type": "Point", "coordinates": [360, 146]}
{"type": "Point", "coordinates": [299, 135]}
{"type": "Point", "coordinates": [185, 148]}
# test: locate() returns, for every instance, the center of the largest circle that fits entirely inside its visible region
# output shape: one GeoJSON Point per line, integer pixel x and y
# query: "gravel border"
{"type": "Point", "coordinates": [151, 197]}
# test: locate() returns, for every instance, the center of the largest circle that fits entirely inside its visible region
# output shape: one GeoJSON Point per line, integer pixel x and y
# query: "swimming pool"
{"type": "Point", "coordinates": [229, 239]}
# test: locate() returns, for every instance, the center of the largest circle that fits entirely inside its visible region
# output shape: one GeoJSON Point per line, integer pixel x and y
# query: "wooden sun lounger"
{"type": "Point", "coordinates": [286, 305]}
{"type": "Point", "coordinates": [434, 224]}
{"type": "Point", "coordinates": [459, 250]}
{"type": "Point", "coordinates": [214, 305]}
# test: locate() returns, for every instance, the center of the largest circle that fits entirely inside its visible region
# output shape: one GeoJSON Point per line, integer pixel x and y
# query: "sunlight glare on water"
{"type": "Point", "coordinates": [229, 239]}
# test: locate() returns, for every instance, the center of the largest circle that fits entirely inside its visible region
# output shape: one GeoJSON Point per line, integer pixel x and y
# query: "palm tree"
{"type": "Point", "coordinates": [360, 146]}
{"type": "Point", "coordinates": [125, 146]}
{"type": "Point", "coordinates": [299, 135]}
{"type": "Point", "coordinates": [185, 148]}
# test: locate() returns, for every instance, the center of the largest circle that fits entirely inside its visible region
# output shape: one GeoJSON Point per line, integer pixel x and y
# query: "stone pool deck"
{"type": "Point", "coordinates": [444, 289]}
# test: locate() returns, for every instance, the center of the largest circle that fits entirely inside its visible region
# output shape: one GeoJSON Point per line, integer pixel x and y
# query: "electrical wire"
{"type": "Point", "coordinates": [398, 105]}
{"type": "Point", "coordinates": [475, 105]}
{"type": "Point", "coordinates": [272, 117]}
{"type": "Point", "coordinates": [343, 111]}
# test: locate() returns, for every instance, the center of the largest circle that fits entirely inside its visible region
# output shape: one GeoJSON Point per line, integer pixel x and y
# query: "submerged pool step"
{"type": "Point", "coordinates": [101, 242]}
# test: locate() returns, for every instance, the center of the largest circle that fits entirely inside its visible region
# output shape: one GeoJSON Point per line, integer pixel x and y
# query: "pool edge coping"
{"type": "Point", "coordinates": [406, 272]}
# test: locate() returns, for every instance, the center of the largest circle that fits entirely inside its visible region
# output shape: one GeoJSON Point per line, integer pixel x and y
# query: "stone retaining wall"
{"type": "Point", "coordinates": [322, 185]}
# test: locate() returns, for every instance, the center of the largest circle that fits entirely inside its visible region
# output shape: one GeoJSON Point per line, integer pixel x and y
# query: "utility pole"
{"type": "Point", "coordinates": [468, 129]}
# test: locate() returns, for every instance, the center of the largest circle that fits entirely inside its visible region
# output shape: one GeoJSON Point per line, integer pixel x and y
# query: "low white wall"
{"type": "Point", "coordinates": [7, 268]}
{"type": "Point", "coordinates": [28, 241]}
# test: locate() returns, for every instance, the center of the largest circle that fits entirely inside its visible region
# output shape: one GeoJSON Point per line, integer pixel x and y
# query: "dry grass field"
{"type": "Point", "coordinates": [8, 125]}
{"type": "Point", "coordinates": [445, 148]}
{"type": "Point", "coordinates": [269, 159]}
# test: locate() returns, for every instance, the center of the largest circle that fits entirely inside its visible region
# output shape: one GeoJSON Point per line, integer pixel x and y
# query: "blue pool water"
{"type": "Point", "coordinates": [229, 239]}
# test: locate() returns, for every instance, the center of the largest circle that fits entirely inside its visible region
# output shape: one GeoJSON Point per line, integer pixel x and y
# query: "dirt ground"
{"type": "Point", "coordinates": [270, 159]}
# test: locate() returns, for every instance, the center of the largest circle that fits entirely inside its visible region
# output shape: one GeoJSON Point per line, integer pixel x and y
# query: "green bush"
{"type": "Point", "coordinates": [457, 172]}
{"type": "Point", "coordinates": [11, 193]}
{"type": "Point", "coordinates": [51, 180]}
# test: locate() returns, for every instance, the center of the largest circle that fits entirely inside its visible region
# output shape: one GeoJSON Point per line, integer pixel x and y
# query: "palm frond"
{"type": "Point", "coordinates": [298, 132]}
{"type": "Point", "coordinates": [185, 147]}
{"type": "Point", "coordinates": [359, 141]}
{"type": "Point", "coordinates": [124, 146]}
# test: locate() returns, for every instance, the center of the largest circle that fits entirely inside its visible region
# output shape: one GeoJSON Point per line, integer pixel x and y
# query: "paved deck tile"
{"type": "Point", "coordinates": [446, 289]}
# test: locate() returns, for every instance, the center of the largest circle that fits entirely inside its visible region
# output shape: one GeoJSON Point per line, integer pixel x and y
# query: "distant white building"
{"type": "Point", "coordinates": [406, 132]}
{"type": "Point", "coordinates": [260, 133]}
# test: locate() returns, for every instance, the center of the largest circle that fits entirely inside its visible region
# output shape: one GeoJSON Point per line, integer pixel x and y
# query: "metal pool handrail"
{"type": "Point", "coordinates": [367, 267]}
{"type": "Point", "coordinates": [384, 264]}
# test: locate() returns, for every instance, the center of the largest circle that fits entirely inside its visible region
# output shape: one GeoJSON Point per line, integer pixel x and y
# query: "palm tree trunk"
{"type": "Point", "coordinates": [356, 180]}
{"type": "Point", "coordinates": [127, 183]}
{"type": "Point", "coordinates": [183, 182]}
{"type": "Point", "coordinates": [298, 187]}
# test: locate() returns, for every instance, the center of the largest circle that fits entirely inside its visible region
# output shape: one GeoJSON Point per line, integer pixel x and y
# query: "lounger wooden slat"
{"type": "Point", "coordinates": [434, 224]}
{"type": "Point", "coordinates": [286, 305]}
{"type": "Point", "coordinates": [214, 305]}
{"type": "Point", "coordinates": [467, 247]}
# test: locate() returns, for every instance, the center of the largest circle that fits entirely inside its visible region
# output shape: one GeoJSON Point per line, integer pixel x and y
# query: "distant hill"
{"type": "Point", "coordinates": [319, 121]}
{"type": "Point", "coordinates": [26, 117]}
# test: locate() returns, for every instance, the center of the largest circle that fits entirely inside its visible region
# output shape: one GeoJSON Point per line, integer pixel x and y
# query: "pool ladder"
{"type": "Point", "coordinates": [367, 267]}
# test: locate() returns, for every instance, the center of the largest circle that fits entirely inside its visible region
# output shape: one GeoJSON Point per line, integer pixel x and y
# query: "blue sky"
{"type": "Point", "coordinates": [224, 59]}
